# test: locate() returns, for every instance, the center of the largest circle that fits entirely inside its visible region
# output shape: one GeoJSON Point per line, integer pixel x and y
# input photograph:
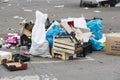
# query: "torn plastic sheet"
{"type": "Point", "coordinates": [86, 8]}
{"type": "Point", "coordinates": [97, 11]}
{"type": "Point", "coordinates": [28, 10]}
{"type": "Point", "coordinates": [59, 6]}
{"type": "Point", "coordinates": [18, 17]}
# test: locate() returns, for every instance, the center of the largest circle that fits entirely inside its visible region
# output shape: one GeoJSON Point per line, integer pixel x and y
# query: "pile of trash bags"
{"type": "Point", "coordinates": [42, 38]}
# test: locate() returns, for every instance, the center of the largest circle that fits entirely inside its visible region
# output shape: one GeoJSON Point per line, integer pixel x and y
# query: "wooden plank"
{"type": "Point", "coordinates": [66, 26]}
{"type": "Point", "coordinates": [63, 50]}
{"type": "Point", "coordinates": [63, 56]}
{"type": "Point", "coordinates": [65, 41]}
{"type": "Point", "coordinates": [63, 46]}
{"type": "Point", "coordinates": [52, 52]}
{"type": "Point", "coordinates": [78, 32]}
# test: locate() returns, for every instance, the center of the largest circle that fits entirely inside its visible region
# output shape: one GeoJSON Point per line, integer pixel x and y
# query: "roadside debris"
{"type": "Point", "coordinates": [17, 17]}
{"type": "Point", "coordinates": [76, 30]}
{"type": "Point", "coordinates": [86, 8]}
{"type": "Point", "coordinates": [13, 65]}
{"type": "Point", "coordinates": [114, 17]}
{"type": "Point", "coordinates": [59, 6]}
{"type": "Point", "coordinates": [97, 11]}
{"type": "Point", "coordinates": [28, 10]}
{"type": "Point", "coordinates": [65, 39]}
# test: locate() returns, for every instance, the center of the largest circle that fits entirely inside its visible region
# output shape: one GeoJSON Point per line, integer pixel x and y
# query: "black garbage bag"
{"type": "Point", "coordinates": [20, 57]}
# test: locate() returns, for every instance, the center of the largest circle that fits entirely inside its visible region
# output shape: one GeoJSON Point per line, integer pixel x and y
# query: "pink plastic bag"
{"type": "Point", "coordinates": [11, 39]}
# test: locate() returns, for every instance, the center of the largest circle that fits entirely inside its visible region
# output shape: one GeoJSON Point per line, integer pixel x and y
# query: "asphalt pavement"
{"type": "Point", "coordinates": [95, 66]}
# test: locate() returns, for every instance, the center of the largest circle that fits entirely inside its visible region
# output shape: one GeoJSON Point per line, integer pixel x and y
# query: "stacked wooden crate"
{"type": "Point", "coordinates": [65, 49]}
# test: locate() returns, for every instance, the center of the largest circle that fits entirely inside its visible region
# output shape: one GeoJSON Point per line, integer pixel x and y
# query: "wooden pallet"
{"type": "Point", "coordinates": [64, 48]}
{"type": "Point", "coordinates": [62, 55]}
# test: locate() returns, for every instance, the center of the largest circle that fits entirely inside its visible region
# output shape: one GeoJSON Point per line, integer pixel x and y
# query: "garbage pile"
{"type": "Point", "coordinates": [65, 39]}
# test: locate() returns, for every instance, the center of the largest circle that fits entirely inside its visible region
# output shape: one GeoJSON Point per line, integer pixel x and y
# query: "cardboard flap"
{"type": "Point", "coordinates": [27, 32]}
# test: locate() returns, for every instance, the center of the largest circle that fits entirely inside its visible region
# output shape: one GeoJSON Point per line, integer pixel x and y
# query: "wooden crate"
{"type": "Point", "coordinates": [64, 44]}
{"type": "Point", "coordinates": [64, 48]}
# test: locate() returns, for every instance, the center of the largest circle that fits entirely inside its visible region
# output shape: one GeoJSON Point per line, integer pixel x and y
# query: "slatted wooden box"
{"type": "Point", "coordinates": [65, 48]}
{"type": "Point", "coordinates": [62, 55]}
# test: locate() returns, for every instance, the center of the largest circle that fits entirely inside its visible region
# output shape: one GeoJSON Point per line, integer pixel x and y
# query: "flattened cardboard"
{"type": "Point", "coordinates": [84, 37]}
{"type": "Point", "coordinates": [27, 32]}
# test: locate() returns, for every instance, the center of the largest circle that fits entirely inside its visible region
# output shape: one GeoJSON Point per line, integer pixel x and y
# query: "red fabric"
{"type": "Point", "coordinates": [71, 23]}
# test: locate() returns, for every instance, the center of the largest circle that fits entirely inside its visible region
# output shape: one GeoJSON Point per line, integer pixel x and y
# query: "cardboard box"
{"type": "Point", "coordinates": [27, 32]}
{"type": "Point", "coordinates": [113, 43]}
{"type": "Point", "coordinates": [27, 28]}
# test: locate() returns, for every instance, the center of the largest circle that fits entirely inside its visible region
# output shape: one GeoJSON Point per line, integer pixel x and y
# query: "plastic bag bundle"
{"type": "Point", "coordinates": [52, 32]}
{"type": "Point", "coordinates": [96, 45]}
{"type": "Point", "coordinates": [95, 27]}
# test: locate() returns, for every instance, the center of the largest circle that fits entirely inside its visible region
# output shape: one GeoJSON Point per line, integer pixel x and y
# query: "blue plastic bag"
{"type": "Point", "coordinates": [95, 27]}
{"type": "Point", "coordinates": [96, 45]}
{"type": "Point", "coordinates": [52, 32]}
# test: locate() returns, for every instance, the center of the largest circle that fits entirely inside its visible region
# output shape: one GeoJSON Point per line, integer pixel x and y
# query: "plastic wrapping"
{"type": "Point", "coordinates": [95, 27]}
{"type": "Point", "coordinates": [52, 32]}
{"type": "Point", "coordinates": [96, 45]}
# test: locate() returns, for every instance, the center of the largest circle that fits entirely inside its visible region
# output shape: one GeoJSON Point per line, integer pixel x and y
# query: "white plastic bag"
{"type": "Point", "coordinates": [38, 31]}
{"type": "Point", "coordinates": [78, 22]}
{"type": "Point", "coordinates": [40, 46]}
